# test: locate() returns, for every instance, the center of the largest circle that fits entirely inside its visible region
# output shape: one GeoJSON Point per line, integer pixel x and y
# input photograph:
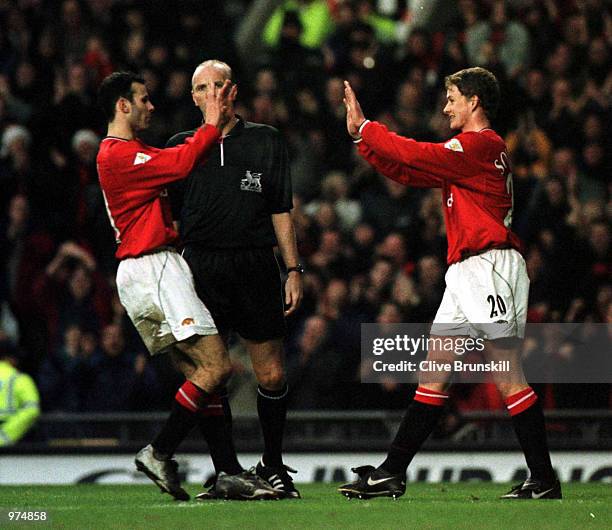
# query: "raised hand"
{"type": "Point", "coordinates": [217, 99]}
{"type": "Point", "coordinates": [354, 114]}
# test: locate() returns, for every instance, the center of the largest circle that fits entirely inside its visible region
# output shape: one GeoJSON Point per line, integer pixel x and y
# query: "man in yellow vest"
{"type": "Point", "coordinates": [19, 401]}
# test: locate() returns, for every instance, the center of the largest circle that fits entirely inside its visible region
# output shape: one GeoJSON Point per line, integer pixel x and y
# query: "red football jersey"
{"type": "Point", "coordinates": [134, 176]}
{"type": "Point", "coordinates": [473, 170]}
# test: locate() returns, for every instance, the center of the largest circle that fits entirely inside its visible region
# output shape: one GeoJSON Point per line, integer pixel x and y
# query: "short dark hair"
{"type": "Point", "coordinates": [479, 82]}
{"type": "Point", "coordinates": [116, 85]}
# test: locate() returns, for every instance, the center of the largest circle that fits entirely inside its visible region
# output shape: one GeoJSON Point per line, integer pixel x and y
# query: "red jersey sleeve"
{"type": "Point", "coordinates": [397, 171]}
{"type": "Point", "coordinates": [447, 161]}
{"type": "Point", "coordinates": [152, 169]}
{"type": "Point", "coordinates": [133, 177]}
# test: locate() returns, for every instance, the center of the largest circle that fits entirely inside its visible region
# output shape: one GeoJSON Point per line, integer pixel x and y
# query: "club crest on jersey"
{"type": "Point", "coordinates": [454, 145]}
{"type": "Point", "coordinates": [251, 182]}
{"type": "Point", "coordinates": [141, 158]}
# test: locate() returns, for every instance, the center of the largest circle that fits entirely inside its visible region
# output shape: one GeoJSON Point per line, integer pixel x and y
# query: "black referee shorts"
{"type": "Point", "coordinates": [241, 288]}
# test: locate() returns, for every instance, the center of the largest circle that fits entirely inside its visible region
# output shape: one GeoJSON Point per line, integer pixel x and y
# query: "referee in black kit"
{"type": "Point", "coordinates": [233, 210]}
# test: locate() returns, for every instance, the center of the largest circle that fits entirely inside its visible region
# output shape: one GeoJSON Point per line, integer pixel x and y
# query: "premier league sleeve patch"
{"type": "Point", "coordinates": [454, 145]}
{"type": "Point", "coordinates": [141, 158]}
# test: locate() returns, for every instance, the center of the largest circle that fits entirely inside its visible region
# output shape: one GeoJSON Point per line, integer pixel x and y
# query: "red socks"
{"type": "Point", "coordinates": [520, 401]}
{"type": "Point", "coordinates": [430, 397]}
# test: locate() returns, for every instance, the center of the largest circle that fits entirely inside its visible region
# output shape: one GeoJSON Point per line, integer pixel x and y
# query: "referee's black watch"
{"type": "Point", "coordinates": [299, 268]}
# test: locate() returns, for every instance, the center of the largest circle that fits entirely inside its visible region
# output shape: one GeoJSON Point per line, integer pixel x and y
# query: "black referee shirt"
{"type": "Point", "coordinates": [228, 199]}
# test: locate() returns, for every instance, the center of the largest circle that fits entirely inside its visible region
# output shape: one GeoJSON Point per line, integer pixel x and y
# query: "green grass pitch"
{"type": "Point", "coordinates": [425, 506]}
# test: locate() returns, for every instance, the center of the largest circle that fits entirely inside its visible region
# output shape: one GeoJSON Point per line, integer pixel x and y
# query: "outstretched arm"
{"type": "Point", "coordinates": [148, 169]}
{"type": "Point", "coordinates": [401, 173]}
{"type": "Point", "coordinates": [390, 167]}
{"type": "Point", "coordinates": [446, 161]}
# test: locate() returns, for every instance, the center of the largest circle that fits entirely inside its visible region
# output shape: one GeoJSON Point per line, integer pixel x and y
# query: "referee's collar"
{"type": "Point", "coordinates": [238, 128]}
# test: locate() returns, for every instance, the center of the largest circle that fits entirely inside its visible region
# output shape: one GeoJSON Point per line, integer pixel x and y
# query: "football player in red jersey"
{"type": "Point", "coordinates": [154, 282]}
{"type": "Point", "coordinates": [486, 283]}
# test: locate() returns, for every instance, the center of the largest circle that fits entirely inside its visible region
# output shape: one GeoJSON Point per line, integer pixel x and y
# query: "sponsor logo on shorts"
{"type": "Point", "coordinates": [187, 321]}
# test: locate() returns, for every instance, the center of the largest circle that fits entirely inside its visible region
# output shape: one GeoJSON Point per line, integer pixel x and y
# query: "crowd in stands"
{"type": "Point", "coordinates": [374, 251]}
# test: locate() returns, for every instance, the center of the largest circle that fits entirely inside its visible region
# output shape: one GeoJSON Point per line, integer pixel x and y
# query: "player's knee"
{"type": "Point", "coordinates": [219, 376]}
{"type": "Point", "coordinates": [509, 389]}
{"type": "Point", "coordinates": [212, 376]}
{"type": "Point", "coordinates": [273, 378]}
{"type": "Point", "coordinates": [211, 380]}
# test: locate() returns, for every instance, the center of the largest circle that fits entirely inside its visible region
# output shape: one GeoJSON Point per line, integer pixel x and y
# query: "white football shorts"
{"type": "Point", "coordinates": [158, 293]}
{"type": "Point", "coordinates": [485, 297]}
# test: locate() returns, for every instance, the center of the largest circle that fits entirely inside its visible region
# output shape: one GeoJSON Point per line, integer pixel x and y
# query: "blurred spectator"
{"type": "Point", "coordinates": [77, 375]}
{"type": "Point", "coordinates": [362, 243]}
{"type": "Point", "coordinates": [17, 108]}
{"type": "Point", "coordinates": [336, 205]}
{"type": "Point", "coordinates": [595, 163]}
{"type": "Point", "coordinates": [537, 104]}
{"type": "Point", "coordinates": [97, 58]}
{"type": "Point", "coordinates": [417, 53]}
{"type": "Point", "coordinates": [311, 15]}
{"type": "Point", "coordinates": [15, 162]}
{"type": "Point", "coordinates": [337, 45]}
{"type": "Point", "coordinates": [407, 299]}
{"type": "Point", "coordinates": [562, 122]}
{"type": "Point", "coordinates": [368, 68]}
{"type": "Point", "coordinates": [329, 258]}
{"type": "Point", "coordinates": [430, 285]}
{"type": "Point", "coordinates": [19, 400]}
{"type": "Point", "coordinates": [539, 23]}
{"type": "Point", "coordinates": [409, 111]}
{"type": "Point", "coordinates": [74, 106]}
{"type": "Point", "coordinates": [375, 289]}
{"type": "Point", "coordinates": [499, 39]}
{"type": "Point", "coordinates": [298, 64]}
{"type": "Point", "coordinates": [24, 252]}
{"type": "Point", "coordinates": [339, 149]}
{"type": "Point", "coordinates": [71, 292]}
{"type": "Point", "coordinates": [74, 29]}
{"type": "Point", "coordinates": [388, 394]}
{"type": "Point", "coordinates": [598, 272]}
{"type": "Point", "coordinates": [393, 246]}
{"type": "Point", "coordinates": [334, 300]}
{"type": "Point", "coordinates": [384, 27]}
{"type": "Point", "coordinates": [388, 205]}
{"type": "Point", "coordinates": [89, 220]}
{"type": "Point", "coordinates": [133, 381]}
{"type": "Point", "coordinates": [61, 387]}
{"type": "Point", "coordinates": [529, 148]}
{"type": "Point", "coordinates": [314, 371]}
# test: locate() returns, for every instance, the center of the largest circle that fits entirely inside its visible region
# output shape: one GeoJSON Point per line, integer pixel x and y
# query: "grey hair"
{"type": "Point", "coordinates": [215, 63]}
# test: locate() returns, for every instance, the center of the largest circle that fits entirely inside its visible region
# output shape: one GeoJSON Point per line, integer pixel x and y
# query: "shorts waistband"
{"type": "Point", "coordinates": [150, 252]}
{"type": "Point", "coordinates": [229, 250]}
{"type": "Point", "coordinates": [471, 253]}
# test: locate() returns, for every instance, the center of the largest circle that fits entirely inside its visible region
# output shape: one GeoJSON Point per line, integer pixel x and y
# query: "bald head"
{"type": "Point", "coordinates": [224, 68]}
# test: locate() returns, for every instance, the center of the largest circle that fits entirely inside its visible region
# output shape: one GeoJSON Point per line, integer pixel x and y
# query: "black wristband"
{"type": "Point", "coordinates": [299, 268]}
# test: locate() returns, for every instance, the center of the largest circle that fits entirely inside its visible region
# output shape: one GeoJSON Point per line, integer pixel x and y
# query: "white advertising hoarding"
{"type": "Point", "coordinates": [313, 467]}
